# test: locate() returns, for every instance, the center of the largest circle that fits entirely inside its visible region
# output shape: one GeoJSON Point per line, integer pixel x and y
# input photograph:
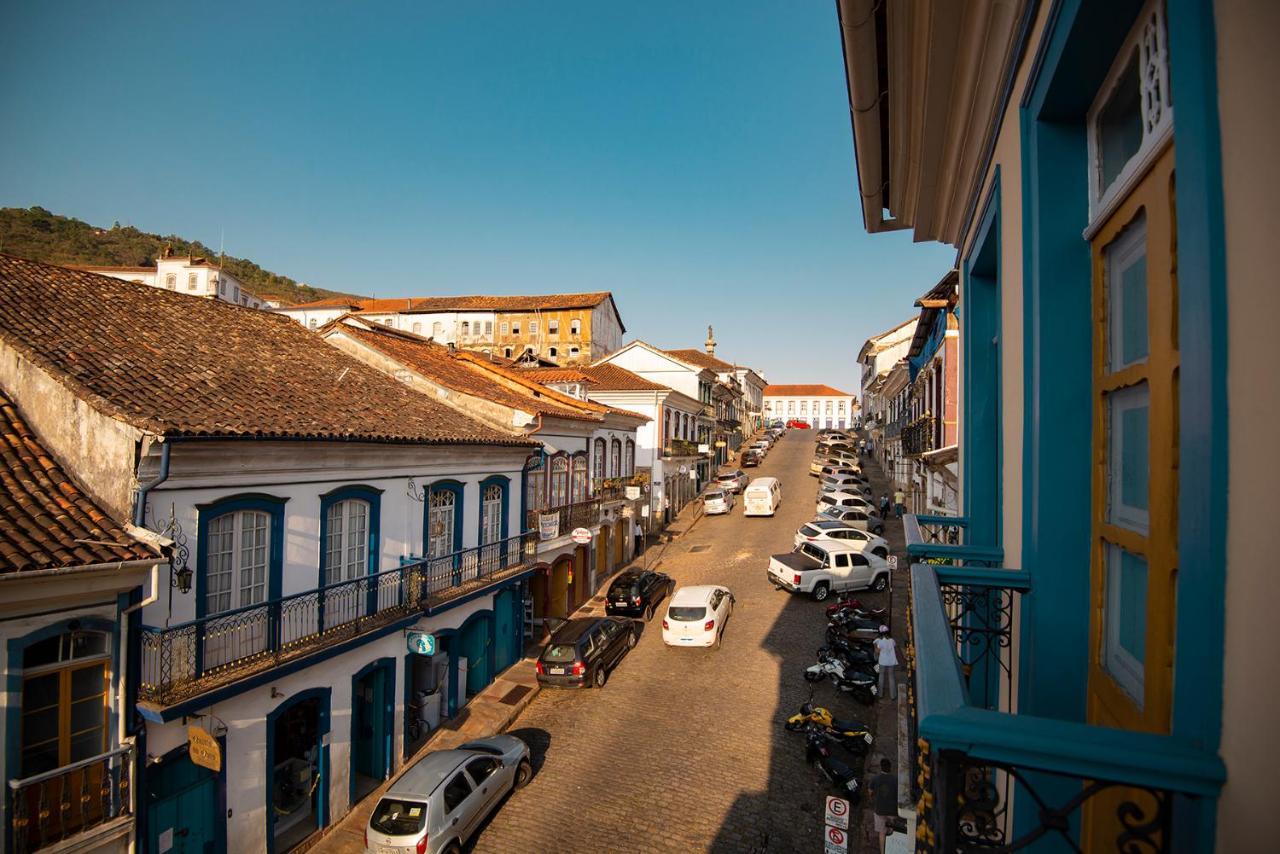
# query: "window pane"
{"type": "Point", "coordinates": [1120, 124]}
{"type": "Point", "coordinates": [1126, 271]}
{"type": "Point", "coordinates": [1126, 619]}
{"type": "Point", "coordinates": [1128, 414]}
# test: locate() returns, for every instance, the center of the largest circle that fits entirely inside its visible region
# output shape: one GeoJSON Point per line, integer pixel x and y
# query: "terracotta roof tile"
{"type": "Point", "coordinates": [175, 366]}
{"type": "Point", "coordinates": [804, 391]}
{"type": "Point", "coordinates": [557, 375]}
{"type": "Point", "coordinates": [46, 521]}
{"type": "Point", "coordinates": [610, 377]}
{"type": "Point", "coordinates": [452, 369]}
{"type": "Point", "coordinates": [702, 359]}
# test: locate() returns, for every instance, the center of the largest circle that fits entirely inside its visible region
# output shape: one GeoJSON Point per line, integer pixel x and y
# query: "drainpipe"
{"type": "Point", "coordinates": [123, 712]}
{"type": "Point", "coordinates": [140, 496]}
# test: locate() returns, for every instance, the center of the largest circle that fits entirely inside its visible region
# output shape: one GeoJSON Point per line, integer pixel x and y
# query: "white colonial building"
{"type": "Point", "coordinates": [192, 275]}
{"type": "Point", "coordinates": [877, 357]}
{"type": "Point", "coordinates": [318, 510]}
{"type": "Point", "coordinates": [820, 406]}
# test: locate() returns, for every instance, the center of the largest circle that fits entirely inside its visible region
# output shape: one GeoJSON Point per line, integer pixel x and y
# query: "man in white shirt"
{"type": "Point", "coordinates": [887, 658]}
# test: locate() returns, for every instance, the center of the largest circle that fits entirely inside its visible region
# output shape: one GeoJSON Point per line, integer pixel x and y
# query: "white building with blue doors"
{"type": "Point", "coordinates": [319, 511]}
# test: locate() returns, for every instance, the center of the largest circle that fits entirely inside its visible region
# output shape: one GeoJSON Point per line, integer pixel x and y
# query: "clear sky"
{"type": "Point", "coordinates": [693, 157]}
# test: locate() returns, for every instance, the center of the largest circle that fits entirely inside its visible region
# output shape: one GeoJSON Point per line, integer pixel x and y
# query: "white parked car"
{"type": "Point", "coordinates": [824, 530]}
{"type": "Point", "coordinates": [716, 502]}
{"type": "Point", "coordinates": [696, 616]}
{"type": "Point", "coordinates": [733, 481]}
{"type": "Point", "coordinates": [845, 483]}
{"type": "Point", "coordinates": [843, 499]}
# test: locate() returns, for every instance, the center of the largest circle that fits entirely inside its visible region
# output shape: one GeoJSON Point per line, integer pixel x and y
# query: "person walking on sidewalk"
{"type": "Point", "coordinates": [885, 788]}
{"type": "Point", "coordinates": [899, 502]}
{"type": "Point", "coordinates": [887, 658]}
{"type": "Point", "coordinates": [884, 506]}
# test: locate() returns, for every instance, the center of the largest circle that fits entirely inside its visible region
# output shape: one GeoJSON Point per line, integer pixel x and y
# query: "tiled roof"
{"type": "Point", "coordinates": [46, 522]}
{"type": "Point", "coordinates": [556, 375]}
{"type": "Point", "coordinates": [610, 377]}
{"type": "Point", "coordinates": [175, 366]}
{"type": "Point", "coordinates": [100, 267]}
{"type": "Point", "coordinates": [453, 370]}
{"type": "Point", "coordinates": [702, 359]}
{"type": "Point", "coordinates": [466, 303]}
{"type": "Point", "coordinates": [804, 391]}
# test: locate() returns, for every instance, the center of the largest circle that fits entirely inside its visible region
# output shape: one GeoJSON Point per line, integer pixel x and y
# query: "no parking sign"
{"type": "Point", "coordinates": [835, 841]}
{"type": "Point", "coordinates": [837, 814]}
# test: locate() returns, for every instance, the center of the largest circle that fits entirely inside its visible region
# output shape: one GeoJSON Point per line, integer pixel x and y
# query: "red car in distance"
{"type": "Point", "coordinates": [799, 425]}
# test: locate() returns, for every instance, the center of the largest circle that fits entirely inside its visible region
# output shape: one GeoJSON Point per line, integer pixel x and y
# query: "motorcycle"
{"type": "Point", "coordinates": [855, 622]}
{"type": "Point", "coordinates": [857, 606]}
{"type": "Point", "coordinates": [840, 774]}
{"type": "Point", "coordinates": [850, 656]}
{"type": "Point", "coordinates": [851, 636]}
{"type": "Point", "coordinates": [854, 735]}
{"type": "Point", "coordinates": [858, 683]}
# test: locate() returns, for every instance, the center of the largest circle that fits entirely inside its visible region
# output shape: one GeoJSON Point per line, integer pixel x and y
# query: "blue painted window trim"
{"type": "Point", "coordinates": [325, 695]}
{"type": "Point", "coordinates": [16, 647]}
{"type": "Point", "coordinates": [504, 482]}
{"type": "Point", "coordinates": [361, 492]}
{"type": "Point", "coordinates": [388, 720]}
{"type": "Point", "coordinates": [982, 422]}
{"type": "Point", "coordinates": [458, 488]}
{"type": "Point", "coordinates": [271, 505]}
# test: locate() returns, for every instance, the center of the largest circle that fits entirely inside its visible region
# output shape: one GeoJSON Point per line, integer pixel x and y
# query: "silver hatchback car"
{"type": "Point", "coordinates": [439, 803]}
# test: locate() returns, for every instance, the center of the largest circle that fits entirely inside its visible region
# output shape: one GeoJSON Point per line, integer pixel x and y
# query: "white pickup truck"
{"type": "Point", "coordinates": [821, 569]}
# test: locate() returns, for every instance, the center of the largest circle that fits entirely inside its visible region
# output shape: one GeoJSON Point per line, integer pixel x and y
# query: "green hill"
{"type": "Point", "coordinates": [39, 235]}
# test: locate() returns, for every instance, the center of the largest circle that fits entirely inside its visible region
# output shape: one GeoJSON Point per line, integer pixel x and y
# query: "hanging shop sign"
{"type": "Point", "coordinates": [421, 643]}
{"type": "Point", "coordinates": [704, 449]}
{"type": "Point", "coordinates": [633, 492]}
{"type": "Point", "coordinates": [548, 526]}
{"type": "Point", "coordinates": [204, 749]}
{"type": "Point", "coordinates": [581, 535]}
{"type": "Point", "coordinates": [720, 443]}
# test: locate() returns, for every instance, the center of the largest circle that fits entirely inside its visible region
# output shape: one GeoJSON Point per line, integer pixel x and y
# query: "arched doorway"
{"type": "Point", "coordinates": [506, 637]}
{"type": "Point", "coordinates": [558, 599]}
{"type": "Point", "coordinates": [297, 770]}
{"type": "Point", "coordinates": [372, 726]}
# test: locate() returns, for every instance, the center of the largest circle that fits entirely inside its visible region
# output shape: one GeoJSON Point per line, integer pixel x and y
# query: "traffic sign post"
{"type": "Point", "coordinates": [837, 814]}
{"type": "Point", "coordinates": [834, 841]}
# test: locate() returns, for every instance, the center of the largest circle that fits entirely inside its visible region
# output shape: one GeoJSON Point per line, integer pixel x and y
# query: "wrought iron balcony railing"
{"type": "Point", "coordinates": [680, 448]}
{"type": "Point", "coordinates": [943, 540]}
{"type": "Point", "coordinates": [992, 780]}
{"type": "Point", "coordinates": [184, 661]}
{"type": "Point", "coordinates": [52, 808]}
{"type": "Point", "coordinates": [919, 437]}
{"type": "Point", "coordinates": [584, 514]}
{"type": "Point", "coordinates": [614, 488]}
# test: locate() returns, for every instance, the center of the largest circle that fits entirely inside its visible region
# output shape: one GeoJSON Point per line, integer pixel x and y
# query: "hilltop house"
{"type": "Point", "coordinates": [192, 275]}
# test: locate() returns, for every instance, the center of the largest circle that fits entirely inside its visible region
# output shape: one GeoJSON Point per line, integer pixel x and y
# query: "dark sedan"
{"type": "Point", "coordinates": [636, 592]}
{"type": "Point", "coordinates": [583, 651]}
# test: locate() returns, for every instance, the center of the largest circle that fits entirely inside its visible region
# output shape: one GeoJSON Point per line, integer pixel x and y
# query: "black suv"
{"type": "Point", "coordinates": [636, 592]}
{"type": "Point", "coordinates": [583, 651]}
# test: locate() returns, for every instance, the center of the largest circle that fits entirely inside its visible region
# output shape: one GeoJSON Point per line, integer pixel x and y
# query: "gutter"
{"type": "Point", "coordinates": [140, 497]}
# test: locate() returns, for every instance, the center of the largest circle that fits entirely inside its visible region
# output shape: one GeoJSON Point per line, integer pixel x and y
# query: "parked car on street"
{"type": "Point", "coordinates": [762, 497]}
{"type": "Point", "coordinates": [762, 446]}
{"type": "Point", "coordinates": [735, 480]}
{"type": "Point", "coordinates": [717, 502]}
{"type": "Point", "coordinates": [858, 517]}
{"type": "Point", "coordinates": [583, 651]}
{"type": "Point", "coordinates": [820, 569]}
{"type": "Point", "coordinates": [824, 530]}
{"type": "Point", "coordinates": [842, 499]}
{"type": "Point", "coordinates": [798, 425]}
{"type": "Point", "coordinates": [845, 483]}
{"type": "Point", "coordinates": [440, 801]}
{"type": "Point", "coordinates": [750, 459]}
{"type": "Point", "coordinates": [696, 616]}
{"type": "Point", "coordinates": [637, 592]}
{"type": "Point", "coordinates": [844, 468]}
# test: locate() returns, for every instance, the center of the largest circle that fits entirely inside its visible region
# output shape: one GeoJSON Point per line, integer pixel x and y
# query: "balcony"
{"type": "Point", "coordinates": [919, 437]}
{"type": "Point", "coordinates": [79, 804]}
{"type": "Point", "coordinates": [584, 514]}
{"type": "Point", "coordinates": [989, 779]}
{"type": "Point", "coordinates": [680, 448]}
{"type": "Point", "coordinates": [896, 426]}
{"type": "Point", "coordinates": [615, 488]}
{"type": "Point", "coordinates": [184, 661]}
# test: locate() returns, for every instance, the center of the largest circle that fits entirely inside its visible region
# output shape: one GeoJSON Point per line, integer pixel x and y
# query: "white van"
{"type": "Point", "coordinates": [762, 497]}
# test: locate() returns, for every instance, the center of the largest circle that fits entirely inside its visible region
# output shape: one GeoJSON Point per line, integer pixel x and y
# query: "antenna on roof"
{"type": "Point", "coordinates": [222, 242]}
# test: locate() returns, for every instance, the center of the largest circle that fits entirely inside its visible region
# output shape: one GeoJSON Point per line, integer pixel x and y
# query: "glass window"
{"type": "Point", "coordinates": [553, 352]}
{"type": "Point", "coordinates": [578, 481]}
{"type": "Point", "coordinates": [417, 328]}
{"type": "Point", "coordinates": [1125, 613]}
{"type": "Point", "coordinates": [533, 327]}
{"type": "Point", "coordinates": [237, 556]}
{"type": "Point", "coordinates": [191, 281]}
{"type": "Point", "coordinates": [504, 327]}
{"type": "Point", "coordinates": [346, 548]}
{"type": "Point", "coordinates": [441, 522]}
{"type": "Point", "coordinates": [488, 328]}
{"type": "Point", "coordinates": [482, 769]}
{"type": "Point", "coordinates": [1120, 124]}
{"type": "Point", "coordinates": [597, 459]}
{"type": "Point", "coordinates": [1128, 416]}
{"type": "Point", "coordinates": [559, 481]}
{"type": "Point", "coordinates": [629, 459]}
{"type": "Point", "coordinates": [615, 458]}
{"type": "Point", "coordinates": [553, 327]}
{"type": "Point", "coordinates": [575, 327]}
{"type": "Point", "coordinates": [437, 328]}
{"type": "Point", "coordinates": [515, 329]}
{"type": "Point", "coordinates": [466, 328]}
{"type": "Point", "coordinates": [1126, 286]}
{"type": "Point", "coordinates": [395, 817]}
{"type": "Point", "coordinates": [456, 792]}
{"type": "Point", "coordinates": [171, 280]}
{"type": "Point", "coordinates": [686, 614]}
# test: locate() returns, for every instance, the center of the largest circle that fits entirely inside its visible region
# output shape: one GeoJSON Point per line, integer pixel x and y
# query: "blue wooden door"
{"type": "Point", "coordinates": [181, 808]}
{"type": "Point", "coordinates": [504, 630]}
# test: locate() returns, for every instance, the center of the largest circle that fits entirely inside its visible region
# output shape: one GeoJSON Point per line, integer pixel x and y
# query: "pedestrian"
{"type": "Point", "coordinates": [885, 788]}
{"type": "Point", "coordinates": [887, 658]}
{"type": "Point", "coordinates": [899, 502]}
{"type": "Point", "coordinates": [884, 506]}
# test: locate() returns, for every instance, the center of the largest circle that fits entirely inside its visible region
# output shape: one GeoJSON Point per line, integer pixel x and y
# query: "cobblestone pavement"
{"type": "Point", "coordinates": [684, 750]}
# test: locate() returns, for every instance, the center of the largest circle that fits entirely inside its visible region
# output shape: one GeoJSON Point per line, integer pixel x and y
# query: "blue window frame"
{"type": "Point", "coordinates": [982, 364]}
{"type": "Point", "coordinates": [442, 518]}
{"type": "Point", "coordinates": [350, 541]}
{"type": "Point", "coordinates": [494, 518]}
{"type": "Point", "coordinates": [232, 539]}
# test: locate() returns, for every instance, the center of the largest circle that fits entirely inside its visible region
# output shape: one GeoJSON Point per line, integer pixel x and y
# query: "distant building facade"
{"type": "Point", "coordinates": [185, 274]}
{"type": "Point", "coordinates": [820, 405]}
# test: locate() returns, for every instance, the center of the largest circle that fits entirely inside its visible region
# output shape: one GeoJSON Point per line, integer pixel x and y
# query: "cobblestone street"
{"type": "Point", "coordinates": [684, 749]}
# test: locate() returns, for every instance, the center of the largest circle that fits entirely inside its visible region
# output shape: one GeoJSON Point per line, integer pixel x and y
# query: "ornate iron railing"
{"type": "Point", "coordinates": [50, 808]}
{"type": "Point", "coordinates": [614, 488]}
{"type": "Point", "coordinates": [584, 514]}
{"type": "Point", "coordinates": [989, 780]}
{"type": "Point", "coordinates": [942, 540]}
{"type": "Point", "coordinates": [680, 448]}
{"type": "Point", "coordinates": [919, 436]}
{"type": "Point", "coordinates": [184, 661]}
{"type": "Point", "coordinates": [896, 426]}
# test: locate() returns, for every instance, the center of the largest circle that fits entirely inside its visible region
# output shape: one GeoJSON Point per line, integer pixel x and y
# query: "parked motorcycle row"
{"type": "Point", "coordinates": [847, 662]}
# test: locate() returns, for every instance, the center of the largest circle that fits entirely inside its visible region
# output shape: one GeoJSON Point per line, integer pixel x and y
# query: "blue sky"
{"type": "Point", "coordinates": [694, 158]}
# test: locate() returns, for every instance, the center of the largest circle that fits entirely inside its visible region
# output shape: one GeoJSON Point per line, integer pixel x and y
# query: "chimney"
{"type": "Point", "coordinates": [711, 343]}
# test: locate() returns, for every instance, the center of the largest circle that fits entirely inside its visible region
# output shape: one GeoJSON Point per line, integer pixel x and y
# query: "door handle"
{"type": "Point", "coordinates": [455, 821]}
